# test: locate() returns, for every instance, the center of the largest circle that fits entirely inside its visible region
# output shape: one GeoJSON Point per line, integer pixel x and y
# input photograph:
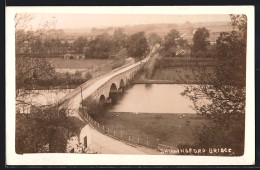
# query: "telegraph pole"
{"type": "Point", "coordinates": [81, 98]}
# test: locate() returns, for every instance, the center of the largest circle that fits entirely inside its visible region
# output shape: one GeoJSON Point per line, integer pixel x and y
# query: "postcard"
{"type": "Point", "coordinates": [160, 85]}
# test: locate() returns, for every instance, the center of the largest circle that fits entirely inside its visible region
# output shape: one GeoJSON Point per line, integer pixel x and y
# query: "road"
{"type": "Point", "coordinates": [107, 145]}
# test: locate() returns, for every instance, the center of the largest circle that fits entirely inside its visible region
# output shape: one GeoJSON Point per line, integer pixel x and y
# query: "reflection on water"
{"type": "Point", "coordinates": [153, 98]}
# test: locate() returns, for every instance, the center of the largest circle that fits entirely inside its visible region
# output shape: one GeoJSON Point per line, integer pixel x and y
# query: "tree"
{"type": "Point", "coordinates": [65, 46]}
{"type": "Point", "coordinates": [44, 129]}
{"type": "Point", "coordinates": [225, 95]}
{"type": "Point", "coordinates": [153, 39]}
{"type": "Point", "coordinates": [99, 47]}
{"type": "Point", "coordinates": [182, 42]}
{"type": "Point", "coordinates": [170, 40]}
{"type": "Point", "coordinates": [29, 46]}
{"type": "Point", "coordinates": [119, 39]}
{"type": "Point", "coordinates": [57, 45]}
{"type": "Point", "coordinates": [200, 39]}
{"type": "Point", "coordinates": [137, 45]}
{"type": "Point", "coordinates": [79, 44]}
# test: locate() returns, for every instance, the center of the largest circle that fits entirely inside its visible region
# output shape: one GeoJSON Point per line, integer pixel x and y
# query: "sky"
{"type": "Point", "coordinates": [104, 20]}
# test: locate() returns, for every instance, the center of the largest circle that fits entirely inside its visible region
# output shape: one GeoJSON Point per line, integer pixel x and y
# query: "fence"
{"type": "Point", "coordinates": [23, 108]}
{"type": "Point", "coordinates": [61, 87]}
{"type": "Point", "coordinates": [181, 62]}
{"type": "Point", "coordinates": [121, 135]}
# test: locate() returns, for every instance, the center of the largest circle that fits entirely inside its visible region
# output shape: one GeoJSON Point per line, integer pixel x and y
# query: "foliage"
{"type": "Point", "coordinates": [94, 108]}
{"type": "Point", "coordinates": [182, 42]}
{"type": "Point", "coordinates": [79, 44]}
{"type": "Point", "coordinates": [77, 75]}
{"type": "Point", "coordinates": [209, 53]}
{"type": "Point", "coordinates": [200, 39]}
{"type": "Point", "coordinates": [44, 127]}
{"type": "Point", "coordinates": [62, 80]}
{"type": "Point", "coordinates": [99, 47]}
{"type": "Point", "coordinates": [31, 70]}
{"type": "Point", "coordinates": [118, 64]}
{"type": "Point", "coordinates": [88, 76]}
{"type": "Point", "coordinates": [153, 39]}
{"type": "Point", "coordinates": [224, 135]}
{"type": "Point", "coordinates": [170, 40]}
{"type": "Point", "coordinates": [199, 54]}
{"type": "Point", "coordinates": [119, 39]}
{"type": "Point", "coordinates": [137, 45]}
{"type": "Point", "coordinates": [226, 95]}
{"type": "Point", "coordinates": [29, 48]}
{"type": "Point", "coordinates": [173, 42]}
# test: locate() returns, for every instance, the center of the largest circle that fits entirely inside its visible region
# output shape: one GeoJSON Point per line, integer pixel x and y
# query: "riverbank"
{"type": "Point", "coordinates": [177, 75]}
{"type": "Point", "coordinates": [169, 129]}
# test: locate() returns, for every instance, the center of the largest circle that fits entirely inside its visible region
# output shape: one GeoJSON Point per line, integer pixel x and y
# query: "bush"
{"type": "Point", "coordinates": [228, 135]}
{"type": "Point", "coordinates": [39, 129]}
{"type": "Point", "coordinates": [94, 108]}
{"type": "Point", "coordinates": [117, 65]}
{"type": "Point", "coordinates": [88, 76]}
{"type": "Point", "coordinates": [199, 54]}
{"type": "Point", "coordinates": [77, 75]}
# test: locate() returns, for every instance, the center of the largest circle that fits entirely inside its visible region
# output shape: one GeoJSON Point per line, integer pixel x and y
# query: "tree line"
{"type": "Point", "coordinates": [39, 43]}
{"type": "Point", "coordinates": [173, 43]}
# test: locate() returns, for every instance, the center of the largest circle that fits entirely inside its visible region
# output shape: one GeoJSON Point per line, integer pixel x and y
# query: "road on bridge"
{"type": "Point", "coordinates": [74, 102]}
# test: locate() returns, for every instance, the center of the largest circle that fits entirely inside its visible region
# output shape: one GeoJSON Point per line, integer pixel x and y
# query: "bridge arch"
{"type": "Point", "coordinates": [113, 93]}
{"type": "Point", "coordinates": [102, 98]}
{"type": "Point", "coordinates": [113, 87]}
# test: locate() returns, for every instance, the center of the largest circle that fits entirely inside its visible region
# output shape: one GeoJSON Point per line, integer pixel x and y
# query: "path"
{"type": "Point", "coordinates": [109, 145]}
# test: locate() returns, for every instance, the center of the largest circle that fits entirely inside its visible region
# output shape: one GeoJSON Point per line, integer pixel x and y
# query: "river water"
{"type": "Point", "coordinates": [153, 98]}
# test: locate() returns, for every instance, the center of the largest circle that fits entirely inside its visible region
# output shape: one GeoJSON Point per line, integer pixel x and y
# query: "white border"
{"type": "Point", "coordinates": [84, 159]}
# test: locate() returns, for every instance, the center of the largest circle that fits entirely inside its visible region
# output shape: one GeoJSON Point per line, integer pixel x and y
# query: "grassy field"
{"type": "Point", "coordinates": [78, 64]}
{"type": "Point", "coordinates": [170, 129]}
{"type": "Point", "coordinates": [180, 74]}
{"type": "Point", "coordinates": [95, 67]}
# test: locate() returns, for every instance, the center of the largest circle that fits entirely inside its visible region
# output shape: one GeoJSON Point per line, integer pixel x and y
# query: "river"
{"type": "Point", "coordinates": [153, 98]}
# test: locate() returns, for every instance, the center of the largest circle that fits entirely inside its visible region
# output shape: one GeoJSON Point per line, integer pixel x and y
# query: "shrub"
{"type": "Point", "coordinates": [93, 108]}
{"type": "Point", "coordinates": [41, 128]}
{"type": "Point", "coordinates": [199, 54]}
{"type": "Point", "coordinates": [117, 65]}
{"type": "Point", "coordinates": [88, 76]}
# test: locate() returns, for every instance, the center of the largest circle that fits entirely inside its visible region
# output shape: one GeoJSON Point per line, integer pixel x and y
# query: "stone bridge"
{"type": "Point", "coordinates": [115, 84]}
{"type": "Point", "coordinates": [102, 89]}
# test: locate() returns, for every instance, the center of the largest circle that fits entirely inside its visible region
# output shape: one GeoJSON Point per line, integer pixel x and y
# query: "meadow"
{"type": "Point", "coordinates": [183, 74]}
{"type": "Point", "coordinates": [78, 64]}
{"type": "Point", "coordinates": [168, 129]}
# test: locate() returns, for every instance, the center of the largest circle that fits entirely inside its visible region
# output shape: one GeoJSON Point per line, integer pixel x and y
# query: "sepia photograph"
{"type": "Point", "coordinates": [103, 83]}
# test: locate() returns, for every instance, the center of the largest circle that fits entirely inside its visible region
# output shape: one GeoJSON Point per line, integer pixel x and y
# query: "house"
{"type": "Point", "coordinates": [183, 51]}
{"type": "Point", "coordinates": [67, 56]}
{"type": "Point", "coordinates": [213, 42]}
